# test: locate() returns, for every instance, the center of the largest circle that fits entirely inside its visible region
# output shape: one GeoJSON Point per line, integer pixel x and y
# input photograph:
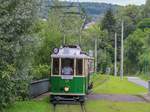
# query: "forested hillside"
{"type": "Point", "coordinates": [94, 10]}
{"type": "Point", "coordinates": [97, 10]}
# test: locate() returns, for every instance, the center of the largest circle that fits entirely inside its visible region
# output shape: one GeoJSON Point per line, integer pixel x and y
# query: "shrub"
{"type": "Point", "coordinates": [40, 71]}
{"type": "Point", "coordinates": [7, 86]}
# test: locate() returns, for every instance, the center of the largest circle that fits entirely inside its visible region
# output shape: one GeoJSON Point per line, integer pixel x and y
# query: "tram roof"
{"type": "Point", "coordinates": [71, 52]}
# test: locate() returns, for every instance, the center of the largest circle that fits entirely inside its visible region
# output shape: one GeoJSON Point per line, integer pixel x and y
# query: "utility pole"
{"type": "Point", "coordinates": [115, 64]}
{"type": "Point", "coordinates": [95, 55]}
{"type": "Point", "coordinates": [122, 50]}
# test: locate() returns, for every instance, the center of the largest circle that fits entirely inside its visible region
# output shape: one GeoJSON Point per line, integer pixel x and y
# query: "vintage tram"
{"type": "Point", "coordinates": [70, 74]}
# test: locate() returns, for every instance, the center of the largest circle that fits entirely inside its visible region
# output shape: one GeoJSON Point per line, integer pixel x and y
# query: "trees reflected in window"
{"type": "Point", "coordinates": [55, 66]}
{"type": "Point", "coordinates": [79, 67]}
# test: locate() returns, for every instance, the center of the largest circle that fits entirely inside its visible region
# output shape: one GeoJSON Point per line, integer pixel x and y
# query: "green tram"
{"type": "Point", "coordinates": [70, 74]}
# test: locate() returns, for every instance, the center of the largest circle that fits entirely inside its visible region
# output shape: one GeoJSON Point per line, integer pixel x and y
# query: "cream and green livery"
{"type": "Point", "coordinates": [75, 85]}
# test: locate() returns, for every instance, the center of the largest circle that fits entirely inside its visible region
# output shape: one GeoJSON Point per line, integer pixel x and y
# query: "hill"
{"type": "Point", "coordinates": [97, 10]}
{"type": "Point", "coordinates": [93, 10]}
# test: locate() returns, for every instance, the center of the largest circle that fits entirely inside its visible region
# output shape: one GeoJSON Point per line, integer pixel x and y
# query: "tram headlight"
{"type": "Point", "coordinates": [66, 89]}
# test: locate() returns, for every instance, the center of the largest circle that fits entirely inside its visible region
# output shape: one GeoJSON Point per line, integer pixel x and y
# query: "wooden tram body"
{"type": "Point", "coordinates": [70, 87]}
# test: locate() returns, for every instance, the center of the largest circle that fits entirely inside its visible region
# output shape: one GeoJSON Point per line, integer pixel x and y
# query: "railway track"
{"type": "Point", "coordinates": [81, 106]}
{"type": "Point", "coordinates": [83, 109]}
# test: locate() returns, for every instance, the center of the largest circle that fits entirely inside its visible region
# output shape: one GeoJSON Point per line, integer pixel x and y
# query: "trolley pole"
{"type": "Point", "coordinates": [95, 55]}
{"type": "Point", "coordinates": [122, 50]}
{"type": "Point", "coordinates": [115, 64]}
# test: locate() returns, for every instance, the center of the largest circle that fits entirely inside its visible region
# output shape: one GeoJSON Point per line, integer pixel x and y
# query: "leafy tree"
{"type": "Point", "coordinates": [146, 10]}
{"type": "Point", "coordinates": [93, 33]}
{"type": "Point", "coordinates": [145, 23]}
{"type": "Point", "coordinates": [108, 22]}
{"type": "Point", "coordinates": [131, 16]}
{"type": "Point", "coordinates": [134, 46]}
{"type": "Point", "coordinates": [69, 21]}
{"type": "Point", "coordinates": [144, 58]}
{"type": "Point", "coordinates": [17, 45]}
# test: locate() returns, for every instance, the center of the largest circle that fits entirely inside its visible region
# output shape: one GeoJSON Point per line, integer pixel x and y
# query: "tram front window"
{"type": "Point", "coordinates": [79, 66]}
{"type": "Point", "coordinates": [55, 66]}
{"type": "Point", "coordinates": [67, 67]}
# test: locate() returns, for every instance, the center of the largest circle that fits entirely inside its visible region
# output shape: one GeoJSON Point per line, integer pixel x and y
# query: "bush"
{"type": "Point", "coordinates": [7, 86]}
{"type": "Point", "coordinates": [7, 94]}
{"type": "Point", "coordinates": [40, 71]}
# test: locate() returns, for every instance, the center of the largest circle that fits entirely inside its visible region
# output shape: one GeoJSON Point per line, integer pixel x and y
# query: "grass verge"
{"type": "Point", "coordinates": [91, 106]}
{"type": "Point", "coordinates": [109, 106]}
{"type": "Point", "coordinates": [102, 84]}
{"type": "Point", "coordinates": [30, 106]}
{"type": "Point", "coordinates": [115, 85]}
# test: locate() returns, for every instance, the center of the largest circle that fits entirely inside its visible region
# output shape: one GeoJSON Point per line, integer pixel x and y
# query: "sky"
{"type": "Point", "coordinates": [118, 2]}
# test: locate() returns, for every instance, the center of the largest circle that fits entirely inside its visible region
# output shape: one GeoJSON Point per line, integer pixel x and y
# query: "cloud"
{"type": "Point", "coordinates": [119, 2]}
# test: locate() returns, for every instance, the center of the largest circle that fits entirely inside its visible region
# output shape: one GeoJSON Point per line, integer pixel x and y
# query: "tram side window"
{"type": "Point", "coordinates": [67, 66]}
{"type": "Point", "coordinates": [79, 66]}
{"type": "Point", "coordinates": [55, 66]}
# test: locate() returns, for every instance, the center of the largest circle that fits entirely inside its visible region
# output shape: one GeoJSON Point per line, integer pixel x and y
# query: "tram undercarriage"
{"type": "Point", "coordinates": [66, 98]}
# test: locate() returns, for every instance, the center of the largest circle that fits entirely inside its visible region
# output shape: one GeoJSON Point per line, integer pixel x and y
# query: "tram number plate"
{"type": "Point", "coordinates": [67, 77]}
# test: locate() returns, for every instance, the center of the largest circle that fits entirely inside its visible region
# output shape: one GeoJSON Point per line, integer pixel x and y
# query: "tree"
{"type": "Point", "coordinates": [145, 23]}
{"type": "Point", "coordinates": [146, 10]}
{"type": "Point", "coordinates": [144, 58]}
{"type": "Point", "coordinates": [17, 45]}
{"type": "Point", "coordinates": [69, 21]}
{"type": "Point", "coordinates": [51, 33]}
{"type": "Point", "coordinates": [130, 14]}
{"type": "Point", "coordinates": [134, 47]}
{"type": "Point", "coordinates": [108, 22]}
{"type": "Point", "coordinates": [93, 33]}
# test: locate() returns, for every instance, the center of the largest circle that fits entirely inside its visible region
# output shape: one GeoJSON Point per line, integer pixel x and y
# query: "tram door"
{"type": "Point", "coordinates": [79, 75]}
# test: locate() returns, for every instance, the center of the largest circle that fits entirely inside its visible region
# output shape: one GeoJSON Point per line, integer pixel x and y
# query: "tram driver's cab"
{"type": "Point", "coordinates": [67, 67]}
{"type": "Point", "coordinates": [69, 62]}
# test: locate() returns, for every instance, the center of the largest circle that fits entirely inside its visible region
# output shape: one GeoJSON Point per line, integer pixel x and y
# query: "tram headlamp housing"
{"type": "Point", "coordinates": [56, 50]}
{"type": "Point", "coordinates": [66, 89]}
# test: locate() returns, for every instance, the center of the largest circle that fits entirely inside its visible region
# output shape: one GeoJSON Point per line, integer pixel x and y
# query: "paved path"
{"type": "Point", "coordinates": [138, 81]}
{"type": "Point", "coordinates": [116, 97]}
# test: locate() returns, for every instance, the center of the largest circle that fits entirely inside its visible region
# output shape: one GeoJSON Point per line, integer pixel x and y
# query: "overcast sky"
{"type": "Point", "coordinates": [119, 2]}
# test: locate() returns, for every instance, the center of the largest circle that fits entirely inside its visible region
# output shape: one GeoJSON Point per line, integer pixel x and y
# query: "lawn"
{"type": "Point", "coordinates": [108, 106]}
{"type": "Point", "coordinates": [91, 106]}
{"type": "Point", "coordinates": [102, 84]}
{"type": "Point", "coordinates": [114, 85]}
{"type": "Point", "coordinates": [29, 106]}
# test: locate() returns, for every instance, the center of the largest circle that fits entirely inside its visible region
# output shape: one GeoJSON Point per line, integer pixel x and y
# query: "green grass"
{"type": "Point", "coordinates": [68, 108]}
{"type": "Point", "coordinates": [30, 106]}
{"type": "Point", "coordinates": [108, 106]}
{"type": "Point", "coordinates": [114, 85]}
{"type": "Point", "coordinates": [102, 84]}
{"type": "Point", "coordinates": [99, 79]}
{"type": "Point", "coordinates": [91, 106]}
